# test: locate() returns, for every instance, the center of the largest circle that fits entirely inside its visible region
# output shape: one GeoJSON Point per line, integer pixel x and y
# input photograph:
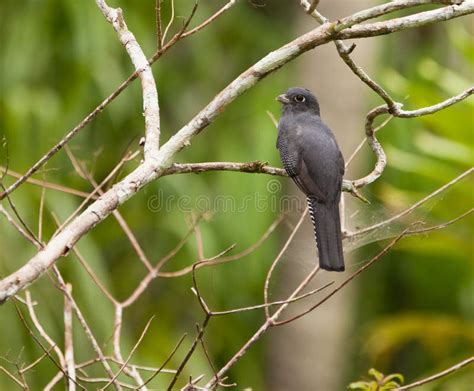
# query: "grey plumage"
{"type": "Point", "coordinates": [311, 157]}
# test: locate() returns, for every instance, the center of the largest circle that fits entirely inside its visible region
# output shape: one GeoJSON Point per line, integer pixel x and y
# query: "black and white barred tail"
{"type": "Point", "coordinates": [327, 230]}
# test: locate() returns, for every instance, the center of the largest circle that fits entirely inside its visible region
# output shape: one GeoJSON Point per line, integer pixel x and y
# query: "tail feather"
{"type": "Point", "coordinates": [327, 229]}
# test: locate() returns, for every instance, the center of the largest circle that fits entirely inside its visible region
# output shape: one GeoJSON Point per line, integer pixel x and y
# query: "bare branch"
{"type": "Point", "coordinates": [190, 352]}
{"type": "Point", "coordinates": [135, 347]}
{"type": "Point", "coordinates": [439, 375]}
{"type": "Point", "coordinates": [11, 376]}
{"type": "Point", "coordinates": [398, 112]}
{"type": "Point", "coordinates": [85, 326]}
{"type": "Point", "coordinates": [397, 24]}
{"type": "Point", "coordinates": [151, 109]}
{"type": "Point", "coordinates": [442, 225]}
{"type": "Point", "coordinates": [412, 207]}
{"type": "Point", "coordinates": [55, 380]}
{"type": "Point", "coordinates": [19, 228]}
{"type": "Point", "coordinates": [170, 356]}
{"type": "Point", "coordinates": [46, 185]}
{"type": "Point", "coordinates": [278, 257]}
{"type": "Point", "coordinates": [41, 330]}
{"type": "Point", "coordinates": [169, 23]}
{"type": "Point", "coordinates": [273, 320]}
{"type": "Point", "coordinates": [251, 167]}
{"type": "Point", "coordinates": [209, 20]}
{"type": "Point", "coordinates": [349, 279]}
{"type": "Point", "coordinates": [93, 194]}
{"type": "Point", "coordinates": [132, 373]}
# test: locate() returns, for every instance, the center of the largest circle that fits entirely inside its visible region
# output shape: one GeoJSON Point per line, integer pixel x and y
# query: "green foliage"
{"type": "Point", "coordinates": [380, 382]}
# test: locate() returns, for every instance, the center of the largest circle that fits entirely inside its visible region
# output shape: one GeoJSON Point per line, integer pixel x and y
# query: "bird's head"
{"type": "Point", "coordinates": [299, 99]}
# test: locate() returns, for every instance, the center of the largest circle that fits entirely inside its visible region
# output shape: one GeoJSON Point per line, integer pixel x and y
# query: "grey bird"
{"type": "Point", "coordinates": [311, 157]}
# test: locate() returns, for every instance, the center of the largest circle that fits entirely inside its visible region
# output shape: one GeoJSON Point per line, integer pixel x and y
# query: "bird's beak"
{"type": "Point", "coordinates": [282, 99]}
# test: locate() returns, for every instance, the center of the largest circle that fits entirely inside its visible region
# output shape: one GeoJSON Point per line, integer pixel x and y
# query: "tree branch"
{"type": "Point", "coordinates": [439, 375]}
{"type": "Point", "coordinates": [151, 109]}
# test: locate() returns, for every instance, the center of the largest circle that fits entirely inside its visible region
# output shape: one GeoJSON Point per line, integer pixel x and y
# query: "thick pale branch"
{"type": "Point", "coordinates": [151, 109]}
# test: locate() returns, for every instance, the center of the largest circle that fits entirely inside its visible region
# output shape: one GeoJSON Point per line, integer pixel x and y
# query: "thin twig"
{"type": "Point", "coordinates": [277, 259]}
{"type": "Point", "coordinates": [412, 207]}
{"type": "Point", "coordinates": [209, 20]}
{"type": "Point", "coordinates": [438, 375]}
{"type": "Point", "coordinates": [159, 44]}
{"type": "Point", "coordinates": [22, 222]}
{"type": "Point", "coordinates": [11, 376]}
{"type": "Point", "coordinates": [346, 281]}
{"type": "Point", "coordinates": [47, 185]}
{"type": "Point", "coordinates": [132, 373]}
{"type": "Point", "coordinates": [169, 23]}
{"type": "Point", "coordinates": [440, 226]}
{"type": "Point", "coordinates": [31, 312]}
{"type": "Point", "coordinates": [170, 356]}
{"type": "Point", "coordinates": [135, 347]}
{"type": "Point", "coordinates": [85, 326]}
{"type": "Point", "coordinates": [18, 227]}
{"type": "Point", "coordinates": [46, 351]}
{"type": "Point", "coordinates": [190, 351]}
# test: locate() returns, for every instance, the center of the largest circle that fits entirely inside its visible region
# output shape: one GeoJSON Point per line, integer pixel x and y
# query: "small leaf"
{"type": "Point", "coordinates": [395, 377]}
{"type": "Point", "coordinates": [360, 385]}
{"type": "Point", "coordinates": [392, 385]}
{"type": "Point", "coordinates": [376, 374]}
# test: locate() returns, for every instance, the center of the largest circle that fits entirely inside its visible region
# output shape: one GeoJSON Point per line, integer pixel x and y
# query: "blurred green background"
{"type": "Point", "coordinates": [59, 59]}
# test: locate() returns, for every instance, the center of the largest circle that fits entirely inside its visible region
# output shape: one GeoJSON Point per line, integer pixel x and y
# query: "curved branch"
{"type": "Point", "coordinates": [398, 112]}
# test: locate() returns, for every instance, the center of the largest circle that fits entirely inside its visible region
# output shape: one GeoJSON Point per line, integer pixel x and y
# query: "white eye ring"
{"type": "Point", "coordinates": [300, 98]}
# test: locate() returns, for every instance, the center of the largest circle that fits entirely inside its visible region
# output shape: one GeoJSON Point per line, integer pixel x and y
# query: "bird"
{"type": "Point", "coordinates": [312, 159]}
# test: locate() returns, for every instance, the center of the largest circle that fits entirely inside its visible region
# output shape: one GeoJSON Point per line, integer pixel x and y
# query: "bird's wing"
{"type": "Point", "coordinates": [322, 164]}
{"type": "Point", "coordinates": [306, 183]}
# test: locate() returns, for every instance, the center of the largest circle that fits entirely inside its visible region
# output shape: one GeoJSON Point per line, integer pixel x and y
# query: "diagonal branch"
{"type": "Point", "coordinates": [439, 375]}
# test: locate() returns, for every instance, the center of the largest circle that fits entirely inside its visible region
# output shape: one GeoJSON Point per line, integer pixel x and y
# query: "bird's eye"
{"type": "Point", "coordinates": [299, 98]}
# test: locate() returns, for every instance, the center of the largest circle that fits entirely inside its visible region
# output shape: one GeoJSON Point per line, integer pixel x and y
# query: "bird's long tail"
{"type": "Point", "coordinates": [327, 229]}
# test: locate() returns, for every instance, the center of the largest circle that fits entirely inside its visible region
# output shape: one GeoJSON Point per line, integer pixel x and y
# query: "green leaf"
{"type": "Point", "coordinates": [393, 377]}
{"type": "Point", "coordinates": [390, 386]}
{"type": "Point", "coordinates": [360, 385]}
{"type": "Point", "coordinates": [376, 374]}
